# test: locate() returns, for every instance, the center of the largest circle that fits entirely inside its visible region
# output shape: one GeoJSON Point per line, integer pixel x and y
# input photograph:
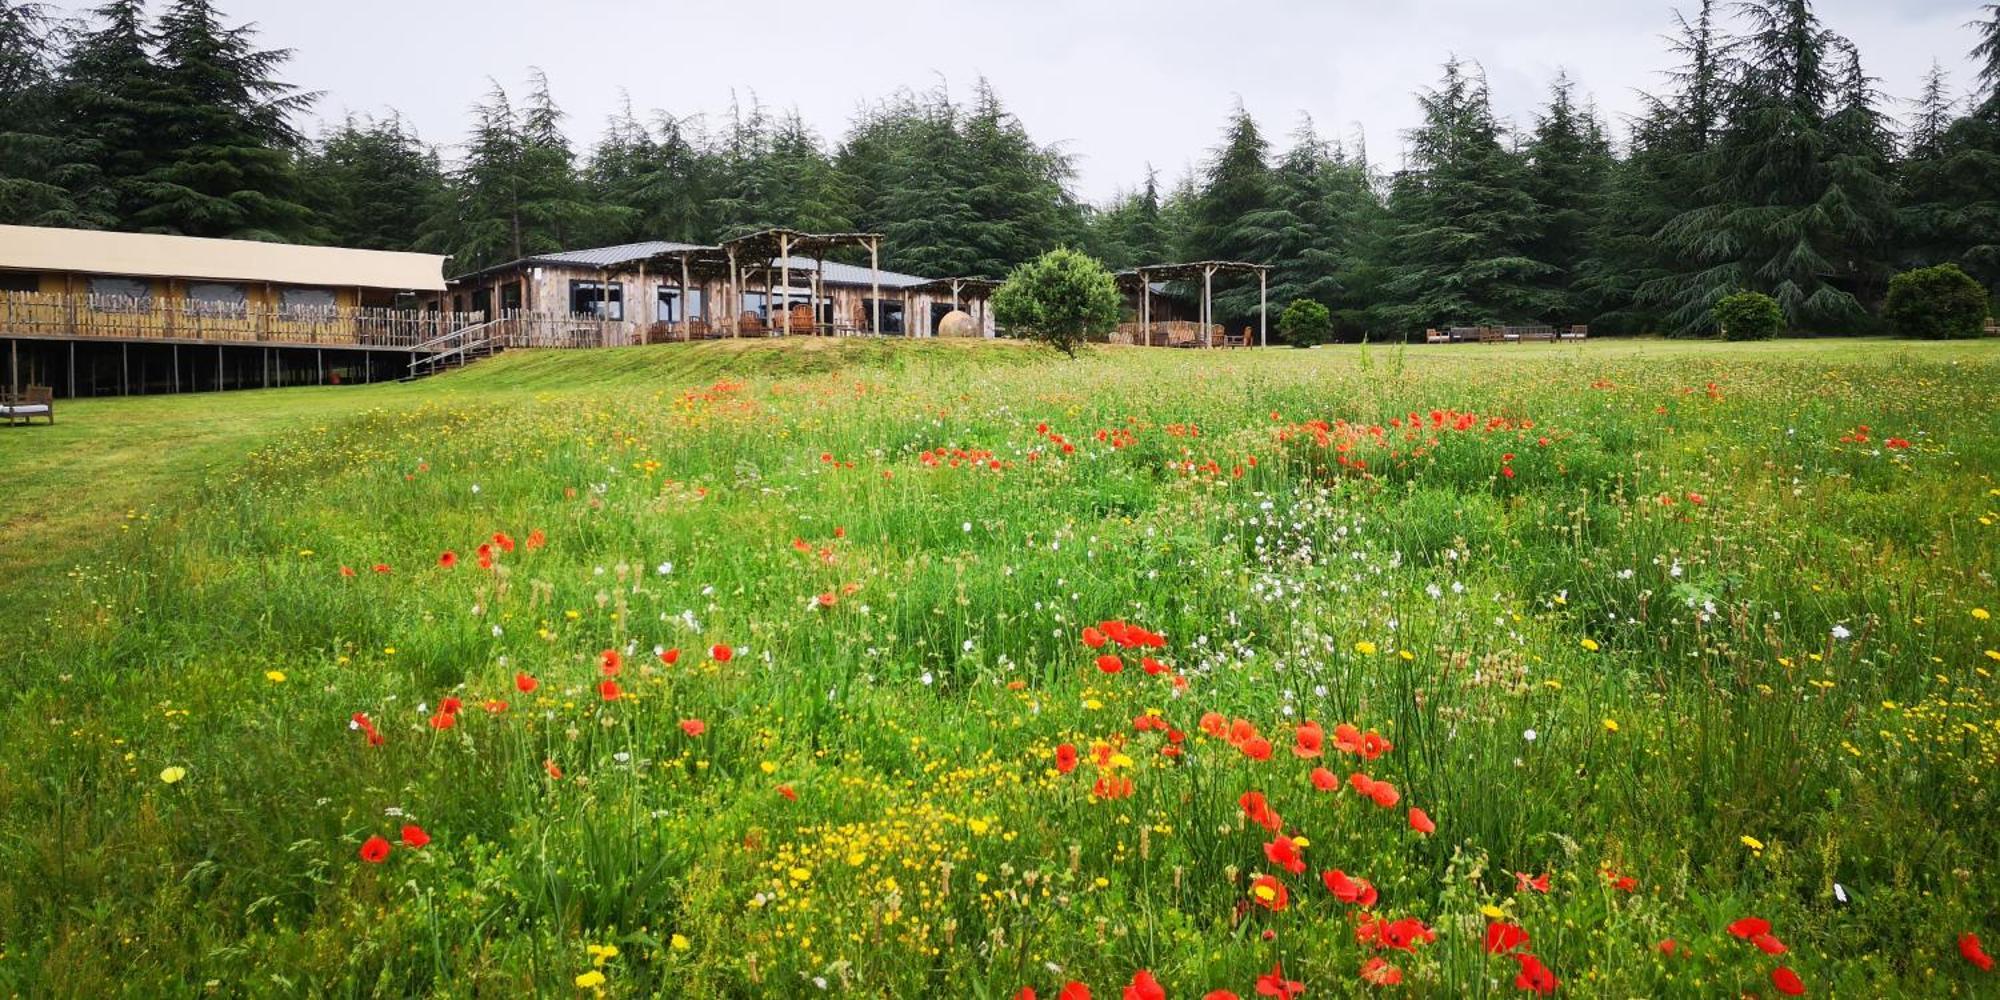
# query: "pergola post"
{"type": "Point", "coordinates": [785, 277]}
{"type": "Point", "coordinates": [1208, 306]}
{"type": "Point", "coordinates": [735, 296]}
{"type": "Point", "coordinates": [875, 283]}
{"type": "Point", "coordinates": [813, 288]}
{"type": "Point", "coordinates": [687, 322]}
{"type": "Point", "coordinates": [1145, 309]}
{"type": "Point", "coordinates": [1263, 308]}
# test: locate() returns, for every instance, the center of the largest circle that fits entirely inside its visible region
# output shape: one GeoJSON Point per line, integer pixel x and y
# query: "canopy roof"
{"type": "Point", "coordinates": [945, 286]}
{"type": "Point", "coordinates": [152, 255]}
{"type": "Point", "coordinates": [769, 244]}
{"type": "Point", "coordinates": [1191, 270]}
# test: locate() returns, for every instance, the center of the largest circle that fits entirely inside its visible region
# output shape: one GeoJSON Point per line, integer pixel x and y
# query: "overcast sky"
{"type": "Point", "coordinates": [1119, 83]}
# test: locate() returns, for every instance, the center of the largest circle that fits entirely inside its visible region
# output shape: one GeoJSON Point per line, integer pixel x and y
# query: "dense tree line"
{"type": "Point", "coordinates": [1768, 161]}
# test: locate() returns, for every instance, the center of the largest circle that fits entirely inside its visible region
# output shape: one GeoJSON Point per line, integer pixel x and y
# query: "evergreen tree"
{"type": "Point", "coordinates": [1569, 162]}
{"type": "Point", "coordinates": [367, 181]}
{"type": "Point", "coordinates": [229, 166]}
{"type": "Point", "coordinates": [1952, 204]}
{"type": "Point", "coordinates": [114, 113]}
{"type": "Point", "coordinates": [1462, 221]}
{"type": "Point", "coordinates": [653, 182]}
{"type": "Point", "coordinates": [1861, 201]}
{"type": "Point", "coordinates": [1235, 217]}
{"type": "Point", "coordinates": [41, 170]}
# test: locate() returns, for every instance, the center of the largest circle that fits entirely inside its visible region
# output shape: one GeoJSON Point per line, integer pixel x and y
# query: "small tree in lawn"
{"type": "Point", "coordinates": [1935, 303]}
{"type": "Point", "coordinates": [1749, 316]}
{"type": "Point", "coordinates": [1061, 298]}
{"type": "Point", "coordinates": [1305, 323]}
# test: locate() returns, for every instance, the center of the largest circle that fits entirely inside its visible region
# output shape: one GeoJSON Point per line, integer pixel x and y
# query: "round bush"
{"type": "Point", "coordinates": [1749, 316]}
{"type": "Point", "coordinates": [1935, 303]}
{"type": "Point", "coordinates": [1305, 323]}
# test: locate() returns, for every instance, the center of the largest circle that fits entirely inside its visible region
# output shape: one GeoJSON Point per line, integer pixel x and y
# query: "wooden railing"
{"type": "Point", "coordinates": [113, 317]}
{"type": "Point", "coordinates": [519, 328]}
{"type": "Point", "coordinates": [1168, 333]}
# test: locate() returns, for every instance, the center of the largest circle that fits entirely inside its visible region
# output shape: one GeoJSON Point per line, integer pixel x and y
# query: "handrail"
{"type": "Point", "coordinates": [455, 334]}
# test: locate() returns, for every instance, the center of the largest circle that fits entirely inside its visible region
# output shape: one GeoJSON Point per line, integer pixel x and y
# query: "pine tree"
{"type": "Point", "coordinates": [41, 170]}
{"type": "Point", "coordinates": [368, 179]}
{"type": "Point", "coordinates": [1569, 162]}
{"type": "Point", "coordinates": [481, 223]}
{"type": "Point", "coordinates": [230, 163]}
{"type": "Point", "coordinates": [654, 182]}
{"type": "Point", "coordinates": [1235, 217]}
{"type": "Point", "coordinates": [1462, 220]}
{"type": "Point", "coordinates": [1861, 201]}
{"type": "Point", "coordinates": [113, 112]}
{"type": "Point", "coordinates": [1952, 205]}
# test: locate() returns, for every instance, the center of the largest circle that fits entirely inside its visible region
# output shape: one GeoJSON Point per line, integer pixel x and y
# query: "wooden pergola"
{"type": "Point", "coordinates": [692, 262]}
{"type": "Point", "coordinates": [1206, 270]}
{"type": "Point", "coordinates": [775, 249]}
{"type": "Point", "coordinates": [973, 289]}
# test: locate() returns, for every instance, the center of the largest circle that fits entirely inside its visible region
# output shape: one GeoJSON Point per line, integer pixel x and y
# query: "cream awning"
{"type": "Point", "coordinates": [149, 255]}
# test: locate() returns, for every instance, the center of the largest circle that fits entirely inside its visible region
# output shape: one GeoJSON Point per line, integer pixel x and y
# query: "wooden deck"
{"type": "Point", "coordinates": [58, 316]}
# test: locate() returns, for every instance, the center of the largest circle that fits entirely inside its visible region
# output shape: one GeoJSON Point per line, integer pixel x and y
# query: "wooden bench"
{"type": "Point", "coordinates": [33, 401]}
{"type": "Point", "coordinates": [1576, 333]}
{"type": "Point", "coordinates": [1436, 337]}
{"type": "Point", "coordinates": [1993, 327]}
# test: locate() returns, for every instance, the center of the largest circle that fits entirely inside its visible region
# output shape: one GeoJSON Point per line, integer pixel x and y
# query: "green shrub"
{"type": "Point", "coordinates": [1749, 316]}
{"type": "Point", "coordinates": [1935, 303]}
{"type": "Point", "coordinates": [1305, 323]}
{"type": "Point", "coordinates": [1061, 298]}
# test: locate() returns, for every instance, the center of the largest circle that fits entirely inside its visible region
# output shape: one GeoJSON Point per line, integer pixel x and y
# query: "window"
{"type": "Point", "coordinates": [120, 294]}
{"type": "Point", "coordinates": [670, 311]}
{"type": "Point", "coordinates": [605, 300]}
{"type": "Point", "coordinates": [217, 298]}
{"type": "Point", "coordinates": [309, 302]}
{"type": "Point", "coordinates": [510, 296]}
{"type": "Point", "coordinates": [20, 281]}
{"type": "Point", "coordinates": [482, 302]}
{"type": "Point", "coordinates": [753, 302]}
{"type": "Point", "coordinates": [892, 315]}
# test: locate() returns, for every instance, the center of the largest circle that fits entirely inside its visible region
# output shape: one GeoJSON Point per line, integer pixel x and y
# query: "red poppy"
{"type": "Point", "coordinates": [493, 706]}
{"type": "Point", "coordinates": [448, 559]}
{"type": "Point", "coordinates": [1283, 851]}
{"type": "Point", "coordinates": [1420, 821]}
{"type": "Point", "coordinates": [1373, 745]}
{"type": "Point", "coordinates": [1274, 984]}
{"type": "Point", "coordinates": [525, 683]}
{"type": "Point", "coordinates": [1093, 638]}
{"type": "Point", "coordinates": [347, 571]}
{"type": "Point", "coordinates": [1066, 758]}
{"type": "Point", "coordinates": [1378, 972]}
{"type": "Point", "coordinates": [1769, 945]}
{"type": "Point", "coordinates": [552, 768]}
{"type": "Point", "coordinates": [443, 720]}
{"type": "Point", "coordinates": [1145, 987]}
{"type": "Point", "coordinates": [504, 540]}
{"type": "Point", "coordinates": [1534, 976]}
{"type": "Point", "coordinates": [720, 653]}
{"type": "Point", "coordinates": [1523, 882]}
{"type": "Point", "coordinates": [1787, 981]}
{"type": "Point", "coordinates": [1749, 927]}
{"type": "Point", "coordinates": [1502, 938]}
{"type": "Point", "coordinates": [1968, 945]}
{"type": "Point", "coordinates": [693, 727]}
{"type": "Point", "coordinates": [1310, 741]}
{"type": "Point", "coordinates": [1220, 995]}
{"type": "Point", "coordinates": [1258, 810]}
{"type": "Point", "coordinates": [670, 656]}
{"type": "Point", "coordinates": [1213, 724]}
{"type": "Point", "coordinates": [1348, 889]}
{"type": "Point", "coordinates": [1074, 991]}
{"type": "Point", "coordinates": [414, 836]}
{"type": "Point", "coordinates": [1110, 663]}
{"type": "Point", "coordinates": [1406, 934]}
{"type": "Point", "coordinates": [1257, 748]}
{"type": "Point", "coordinates": [1112, 787]}
{"type": "Point", "coordinates": [1325, 780]}
{"type": "Point", "coordinates": [375, 850]}
{"type": "Point", "coordinates": [380, 567]}
{"type": "Point", "coordinates": [610, 662]}
{"type": "Point", "coordinates": [451, 705]}
{"type": "Point", "coordinates": [1622, 883]}
{"type": "Point", "coordinates": [1668, 946]}
{"type": "Point", "coordinates": [1346, 738]}
{"type": "Point", "coordinates": [361, 721]}
{"type": "Point", "coordinates": [608, 690]}
{"type": "Point", "coordinates": [1385, 794]}
{"type": "Point", "coordinates": [790, 794]}
{"type": "Point", "coordinates": [1266, 891]}
{"type": "Point", "coordinates": [1152, 667]}
{"type": "Point", "coordinates": [536, 539]}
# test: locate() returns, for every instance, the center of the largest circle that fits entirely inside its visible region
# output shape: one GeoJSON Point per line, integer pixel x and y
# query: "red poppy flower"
{"type": "Point", "coordinates": [1622, 883]}
{"type": "Point", "coordinates": [1283, 851]}
{"type": "Point", "coordinates": [1093, 638]}
{"type": "Point", "coordinates": [788, 792]}
{"type": "Point", "coordinates": [1066, 758]}
{"type": "Point", "coordinates": [1420, 821]}
{"type": "Point", "coordinates": [670, 656]}
{"type": "Point", "coordinates": [1310, 741]}
{"type": "Point", "coordinates": [375, 850]}
{"type": "Point", "coordinates": [1502, 938]}
{"type": "Point", "coordinates": [1348, 889]}
{"type": "Point", "coordinates": [610, 662]}
{"type": "Point", "coordinates": [1750, 927]}
{"type": "Point", "coordinates": [552, 768]}
{"type": "Point", "coordinates": [361, 721]}
{"type": "Point", "coordinates": [1769, 945]}
{"type": "Point", "coordinates": [608, 690]}
{"type": "Point", "coordinates": [693, 727]}
{"type": "Point", "coordinates": [1373, 745]}
{"type": "Point", "coordinates": [1213, 724]}
{"type": "Point", "coordinates": [525, 684]}
{"type": "Point", "coordinates": [1534, 976]}
{"type": "Point", "coordinates": [1220, 995]}
{"type": "Point", "coordinates": [1274, 984]}
{"type": "Point", "coordinates": [1968, 945]}
{"type": "Point", "coordinates": [1668, 945]}
{"type": "Point", "coordinates": [1112, 787]}
{"type": "Point", "coordinates": [347, 571]}
{"type": "Point", "coordinates": [1074, 991]}
{"type": "Point", "coordinates": [1523, 882]}
{"type": "Point", "coordinates": [493, 706]}
{"type": "Point", "coordinates": [1240, 731]}
{"type": "Point", "coordinates": [504, 540]}
{"type": "Point", "coordinates": [1378, 972]}
{"type": "Point", "coordinates": [1406, 934]}
{"type": "Point", "coordinates": [1152, 667]}
{"type": "Point", "coordinates": [536, 539]}
{"type": "Point", "coordinates": [448, 559]}
{"type": "Point", "coordinates": [1385, 794]}
{"type": "Point", "coordinates": [1110, 663]}
{"type": "Point", "coordinates": [1346, 738]}
{"type": "Point", "coordinates": [720, 653]}
{"type": "Point", "coordinates": [414, 836]}
{"type": "Point", "coordinates": [1787, 981]}
{"type": "Point", "coordinates": [1145, 987]}
{"type": "Point", "coordinates": [443, 720]}
{"type": "Point", "coordinates": [1266, 891]}
{"type": "Point", "coordinates": [451, 705]}
{"type": "Point", "coordinates": [1257, 748]}
{"type": "Point", "coordinates": [1258, 810]}
{"type": "Point", "coordinates": [1325, 780]}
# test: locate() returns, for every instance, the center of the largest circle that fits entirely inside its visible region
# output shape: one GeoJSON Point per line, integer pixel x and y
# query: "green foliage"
{"type": "Point", "coordinates": [1305, 323]}
{"type": "Point", "coordinates": [1936, 303]}
{"type": "Point", "coordinates": [1062, 298]}
{"type": "Point", "coordinates": [367, 180]}
{"type": "Point", "coordinates": [1749, 316]}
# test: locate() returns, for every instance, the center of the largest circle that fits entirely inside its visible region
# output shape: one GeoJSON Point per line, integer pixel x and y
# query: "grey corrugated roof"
{"type": "Point", "coordinates": [624, 253]}
{"type": "Point", "coordinates": [850, 274]}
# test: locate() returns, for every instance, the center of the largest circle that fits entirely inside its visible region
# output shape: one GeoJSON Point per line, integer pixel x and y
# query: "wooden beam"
{"type": "Point", "coordinates": [1145, 309]}
{"type": "Point", "coordinates": [875, 283]}
{"type": "Point", "coordinates": [785, 276]}
{"type": "Point", "coordinates": [1263, 309]}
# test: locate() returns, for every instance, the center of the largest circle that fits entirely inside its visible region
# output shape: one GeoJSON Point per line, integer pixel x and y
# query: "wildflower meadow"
{"type": "Point", "coordinates": [949, 670]}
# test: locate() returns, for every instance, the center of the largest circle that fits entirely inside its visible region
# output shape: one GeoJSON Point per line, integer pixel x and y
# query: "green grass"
{"type": "Point", "coordinates": [1724, 617]}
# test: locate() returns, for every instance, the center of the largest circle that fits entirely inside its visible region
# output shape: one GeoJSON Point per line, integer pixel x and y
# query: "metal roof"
{"type": "Point", "coordinates": [837, 273]}
{"type": "Point", "coordinates": [154, 255]}
{"type": "Point", "coordinates": [626, 254]}
{"type": "Point", "coordinates": [623, 253]}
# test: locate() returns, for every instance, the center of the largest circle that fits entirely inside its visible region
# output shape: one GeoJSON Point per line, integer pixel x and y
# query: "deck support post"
{"type": "Point", "coordinates": [785, 277]}
{"type": "Point", "coordinates": [177, 369]}
{"type": "Point", "coordinates": [735, 295]}
{"type": "Point", "coordinates": [1207, 306]}
{"type": "Point", "coordinates": [1145, 309]}
{"type": "Point", "coordinates": [72, 369]}
{"type": "Point", "coordinates": [687, 321]}
{"type": "Point", "coordinates": [875, 284]}
{"type": "Point", "coordinates": [319, 363]}
{"type": "Point", "coordinates": [124, 369]}
{"type": "Point", "coordinates": [1263, 308]}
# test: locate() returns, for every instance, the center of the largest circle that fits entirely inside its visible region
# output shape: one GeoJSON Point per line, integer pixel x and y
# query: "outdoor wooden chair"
{"type": "Point", "coordinates": [1243, 339]}
{"type": "Point", "coordinates": [1577, 333]}
{"type": "Point", "coordinates": [1492, 335]}
{"type": "Point", "coordinates": [33, 401]}
{"type": "Point", "coordinates": [1436, 337]}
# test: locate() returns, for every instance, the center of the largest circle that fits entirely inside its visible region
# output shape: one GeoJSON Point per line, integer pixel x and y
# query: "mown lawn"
{"type": "Point", "coordinates": [952, 669]}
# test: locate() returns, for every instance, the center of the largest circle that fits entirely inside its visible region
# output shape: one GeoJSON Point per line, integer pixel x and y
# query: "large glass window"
{"type": "Point", "coordinates": [892, 315]}
{"type": "Point", "coordinates": [754, 302]}
{"type": "Point", "coordinates": [605, 300]}
{"type": "Point", "coordinates": [510, 296]}
{"type": "Point", "coordinates": [217, 298]}
{"type": "Point", "coordinates": [306, 301]}
{"type": "Point", "coordinates": [120, 294]}
{"type": "Point", "coordinates": [670, 304]}
{"type": "Point", "coordinates": [20, 281]}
